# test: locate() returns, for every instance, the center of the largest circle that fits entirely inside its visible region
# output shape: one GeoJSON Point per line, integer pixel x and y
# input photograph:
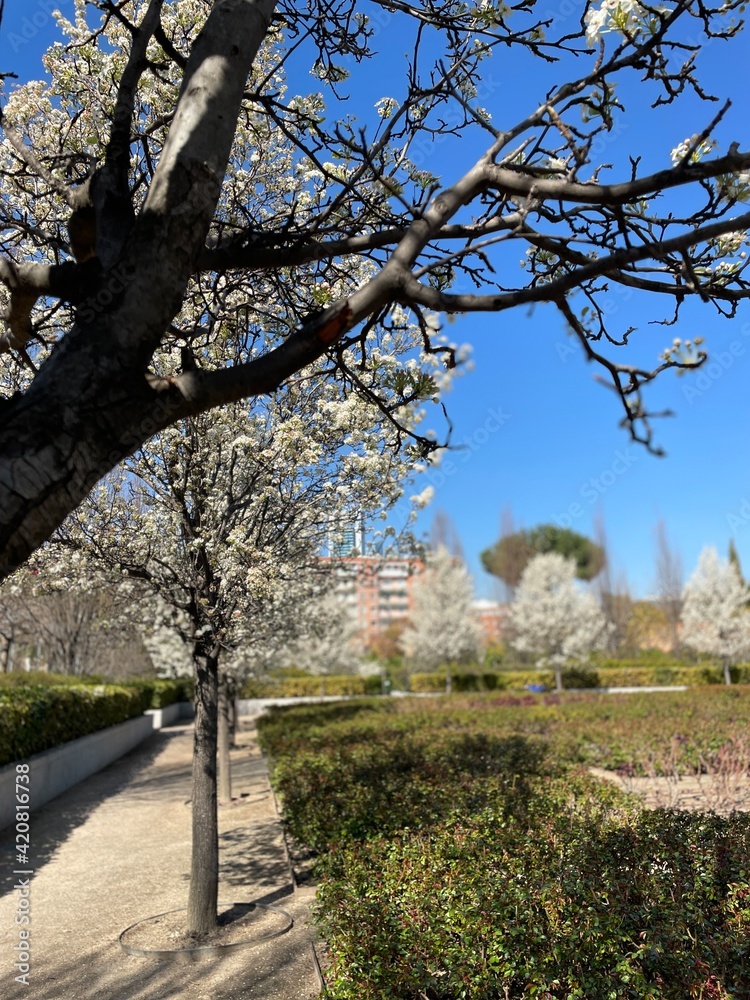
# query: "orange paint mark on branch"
{"type": "Point", "coordinates": [337, 325]}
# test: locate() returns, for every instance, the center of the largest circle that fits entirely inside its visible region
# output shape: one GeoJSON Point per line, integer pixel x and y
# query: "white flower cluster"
{"type": "Point", "coordinates": [625, 16]}
{"type": "Point", "coordinates": [702, 148]}
{"type": "Point", "coordinates": [683, 352]}
{"type": "Point", "coordinates": [386, 106]}
{"type": "Point", "coordinates": [730, 244]}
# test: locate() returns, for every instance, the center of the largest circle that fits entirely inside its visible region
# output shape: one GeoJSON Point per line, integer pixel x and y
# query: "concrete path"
{"type": "Point", "coordinates": [116, 849]}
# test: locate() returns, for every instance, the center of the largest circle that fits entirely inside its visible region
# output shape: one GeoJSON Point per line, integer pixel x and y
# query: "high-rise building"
{"type": "Point", "coordinates": [377, 589]}
{"type": "Point", "coordinates": [347, 540]}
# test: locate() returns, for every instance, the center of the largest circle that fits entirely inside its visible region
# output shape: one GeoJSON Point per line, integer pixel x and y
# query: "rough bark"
{"type": "Point", "coordinates": [204, 867]}
{"type": "Point", "coordinates": [91, 404]}
{"type": "Point", "coordinates": [225, 764]}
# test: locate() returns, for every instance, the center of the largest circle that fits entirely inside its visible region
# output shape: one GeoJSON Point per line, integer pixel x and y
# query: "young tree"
{"type": "Point", "coordinates": [329, 641]}
{"type": "Point", "coordinates": [734, 558]}
{"type": "Point", "coordinates": [715, 619]}
{"type": "Point", "coordinates": [117, 203]}
{"type": "Point", "coordinates": [441, 630]}
{"type": "Point", "coordinates": [669, 582]}
{"type": "Point", "coordinates": [221, 518]}
{"type": "Point", "coordinates": [552, 618]}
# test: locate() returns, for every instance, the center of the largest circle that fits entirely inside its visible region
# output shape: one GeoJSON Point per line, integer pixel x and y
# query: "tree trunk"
{"type": "Point", "coordinates": [225, 764]}
{"type": "Point", "coordinates": [448, 679]}
{"type": "Point", "coordinates": [727, 673]}
{"type": "Point", "coordinates": [234, 714]}
{"type": "Point", "coordinates": [558, 679]}
{"type": "Point", "coordinates": [204, 868]}
{"type": "Point", "coordinates": [8, 656]}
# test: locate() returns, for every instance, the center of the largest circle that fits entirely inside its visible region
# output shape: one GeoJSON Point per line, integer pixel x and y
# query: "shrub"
{"type": "Point", "coordinates": [39, 717]}
{"type": "Point", "coordinates": [166, 691]}
{"type": "Point", "coordinates": [310, 687]}
{"type": "Point", "coordinates": [27, 678]}
{"type": "Point", "coordinates": [464, 853]}
{"type": "Point", "coordinates": [586, 898]}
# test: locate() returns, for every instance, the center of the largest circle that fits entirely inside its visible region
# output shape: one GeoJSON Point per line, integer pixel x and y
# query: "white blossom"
{"type": "Point", "coordinates": [715, 619]}
{"type": "Point", "coordinates": [697, 150]}
{"type": "Point", "coordinates": [628, 17]}
{"type": "Point", "coordinates": [552, 617]}
{"type": "Point", "coordinates": [441, 629]}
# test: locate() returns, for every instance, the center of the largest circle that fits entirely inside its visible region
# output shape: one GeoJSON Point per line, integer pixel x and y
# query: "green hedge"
{"type": "Point", "coordinates": [32, 678]}
{"type": "Point", "coordinates": [463, 852]}
{"type": "Point", "coordinates": [166, 692]}
{"type": "Point", "coordinates": [582, 899]}
{"type": "Point", "coordinates": [308, 687]}
{"type": "Point", "coordinates": [39, 717]}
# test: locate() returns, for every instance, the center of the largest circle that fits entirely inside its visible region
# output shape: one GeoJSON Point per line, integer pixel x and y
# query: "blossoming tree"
{"type": "Point", "coordinates": [221, 518]}
{"type": "Point", "coordinates": [114, 209]}
{"type": "Point", "coordinates": [552, 618]}
{"type": "Point", "coordinates": [715, 617]}
{"type": "Point", "coordinates": [441, 631]}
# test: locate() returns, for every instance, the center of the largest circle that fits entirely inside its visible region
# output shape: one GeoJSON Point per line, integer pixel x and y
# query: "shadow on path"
{"type": "Point", "coordinates": [56, 820]}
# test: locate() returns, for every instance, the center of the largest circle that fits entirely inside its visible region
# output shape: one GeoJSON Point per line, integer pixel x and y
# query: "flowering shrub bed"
{"type": "Point", "coordinates": [463, 851]}
{"type": "Point", "coordinates": [40, 717]}
{"type": "Point", "coordinates": [628, 675]}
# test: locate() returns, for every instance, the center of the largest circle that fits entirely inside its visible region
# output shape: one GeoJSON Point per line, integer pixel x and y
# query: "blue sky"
{"type": "Point", "coordinates": [533, 431]}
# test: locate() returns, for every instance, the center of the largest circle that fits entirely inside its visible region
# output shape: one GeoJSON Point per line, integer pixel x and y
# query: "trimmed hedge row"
{"type": "Point", "coordinates": [310, 687]}
{"type": "Point", "coordinates": [583, 899]}
{"type": "Point", "coordinates": [33, 719]}
{"type": "Point", "coordinates": [163, 692]}
{"type": "Point", "coordinates": [54, 709]}
{"type": "Point", "coordinates": [463, 853]}
{"type": "Point", "coordinates": [581, 677]}
{"type": "Point", "coordinates": [167, 692]}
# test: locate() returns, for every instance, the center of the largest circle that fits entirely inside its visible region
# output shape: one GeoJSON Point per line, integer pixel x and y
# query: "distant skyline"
{"type": "Point", "coordinates": [532, 431]}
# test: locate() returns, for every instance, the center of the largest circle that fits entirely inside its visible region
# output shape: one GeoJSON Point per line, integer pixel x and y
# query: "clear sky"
{"type": "Point", "coordinates": [532, 430]}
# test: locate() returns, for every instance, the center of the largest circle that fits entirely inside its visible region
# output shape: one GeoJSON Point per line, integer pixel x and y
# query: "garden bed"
{"type": "Point", "coordinates": [464, 851]}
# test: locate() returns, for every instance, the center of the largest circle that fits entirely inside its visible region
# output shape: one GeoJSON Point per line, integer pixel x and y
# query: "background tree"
{"type": "Point", "coordinates": [69, 622]}
{"type": "Point", "coordinates": [648, 628]}
{"type": "Point", "coordinates": [510, 556]}
{"type": "Point", "coordinates": [734, 559]}
{"type": "Point", "coordinates": [552, 618]}
{"type": "Point", "coordinates": [329, 641]}
{"type": "Point", "coordinates": [669, 583]}
{"type": "Point", "coordinates": [715, 619]}
{"type": "Point", "coordinates": [444, 535]}
{"type": "Point", "coordinates": [441, 631]}
{"type": "Point", "coordinates": [114, 209]}
{"type": "Point", "coordinates": [613, 594]}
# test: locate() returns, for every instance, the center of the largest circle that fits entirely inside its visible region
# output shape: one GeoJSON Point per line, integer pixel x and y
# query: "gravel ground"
{"type": "Point", "coordinates": [116, 849]}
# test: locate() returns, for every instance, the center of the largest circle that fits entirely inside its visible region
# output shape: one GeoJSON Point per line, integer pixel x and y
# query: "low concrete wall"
{"type": "Point", "coordinates": [55, 771]}
{"type": "Point", "coordinates": [257, 706]}
{"type": "Point", "coordinates": [172, 713]}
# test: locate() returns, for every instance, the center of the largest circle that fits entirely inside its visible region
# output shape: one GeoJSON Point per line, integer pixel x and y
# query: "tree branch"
{"type": "Point", "coordinates": [551, 291]}
{"type": "Point", "coordinates": [517, 183]}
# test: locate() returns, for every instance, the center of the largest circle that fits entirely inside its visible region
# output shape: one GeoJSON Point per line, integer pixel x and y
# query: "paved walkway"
{"type": "Point", "coordinates": [116, 849]}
